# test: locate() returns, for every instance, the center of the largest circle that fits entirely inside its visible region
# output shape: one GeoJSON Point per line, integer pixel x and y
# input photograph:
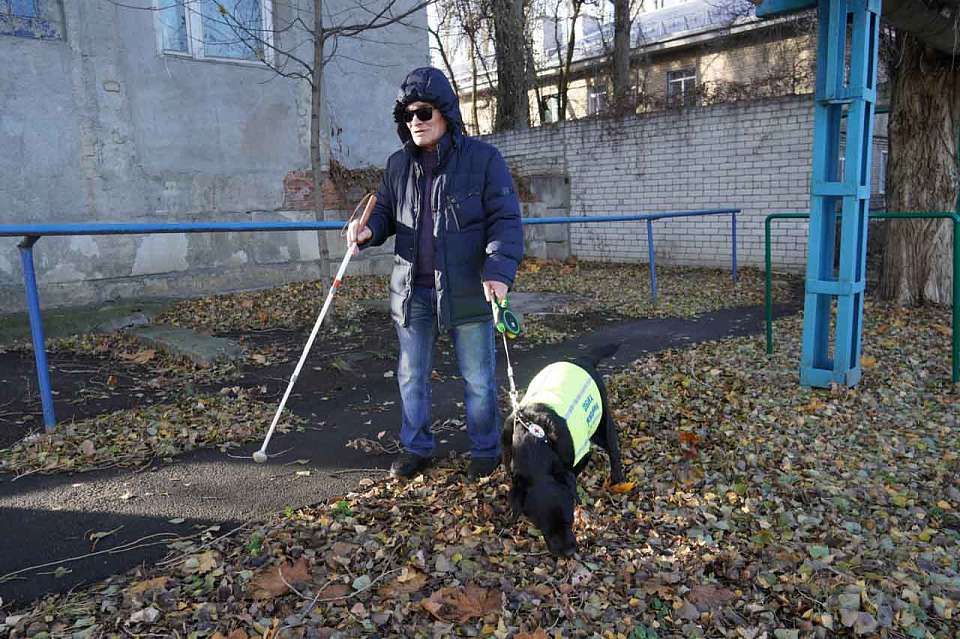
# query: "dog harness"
{"type": "Point", "coordinates": [572, 394]}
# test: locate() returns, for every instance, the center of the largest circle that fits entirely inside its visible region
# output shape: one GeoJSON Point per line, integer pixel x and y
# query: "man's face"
{"type": "Point", "coordinates": [425, 133]}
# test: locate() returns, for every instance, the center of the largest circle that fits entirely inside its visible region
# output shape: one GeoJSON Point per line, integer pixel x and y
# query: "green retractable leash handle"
{"type": "Point", "coordinates": [504, 319]}
{"type": "Point", "coordinates": [508, 325]}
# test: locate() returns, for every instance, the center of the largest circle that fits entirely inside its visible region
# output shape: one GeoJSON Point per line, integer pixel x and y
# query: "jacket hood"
{"type": "Point", "coordinates": [428, 84]}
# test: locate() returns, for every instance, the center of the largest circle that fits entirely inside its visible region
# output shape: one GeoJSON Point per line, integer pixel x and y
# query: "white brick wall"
{"type": "Point", "coordinates": [754, 156]}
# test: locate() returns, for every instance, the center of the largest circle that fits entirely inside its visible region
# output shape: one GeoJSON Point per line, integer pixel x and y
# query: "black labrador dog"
{"type": "Point", "coordinates": [546, 443]}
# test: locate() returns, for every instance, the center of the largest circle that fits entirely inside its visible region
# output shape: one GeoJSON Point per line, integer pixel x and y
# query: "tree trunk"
{"type": "Point", "coordinates": [513, 105]}
{"type": "Point", "coordinates": [621, 56]}
{"type": "Point", "coordinates": [921, 175]}
{"type": "Point", "coordinates": [319, 153]}
{"type": "Point", "coordinates": [566, 62]}
{"type": "Point", "coordinates": [473, 103]}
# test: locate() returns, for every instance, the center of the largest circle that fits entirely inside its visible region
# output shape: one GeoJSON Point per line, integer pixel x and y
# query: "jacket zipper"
{"type": "Point", "coordinates": [416, 241]}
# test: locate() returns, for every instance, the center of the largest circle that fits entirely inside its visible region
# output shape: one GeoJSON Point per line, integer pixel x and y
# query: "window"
{"type": "Point", "coordinates": [551, 108]}
{"type": "Point", "coordinates": [682, 87]}
{"type": "Point", "coordinates": [224, 29]}
{"type": "Point", "coordinates": [882, 174]}
{"type": "Point", "coordinates": [596, 99]}
{"type": "Point", "coordinates": [38, 19]}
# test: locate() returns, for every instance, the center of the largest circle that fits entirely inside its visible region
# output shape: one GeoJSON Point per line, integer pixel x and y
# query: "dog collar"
{"type": "Point", "coordinates": [533, 429]}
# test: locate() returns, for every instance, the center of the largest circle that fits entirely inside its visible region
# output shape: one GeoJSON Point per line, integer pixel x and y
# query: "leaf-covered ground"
{"type": "Point", "coordinates": [134, 438]}
{"type": "Point", "coordinates": [624, 289]}
{"type": "Point", "coordinates": [271, 325]}
{"type": "Point", "coordinates": [759, 510]}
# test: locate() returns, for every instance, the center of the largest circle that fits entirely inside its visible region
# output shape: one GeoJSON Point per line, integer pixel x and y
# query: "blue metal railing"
{"type": "Point", "coordinates": [31, 233]}
{"type": "Point", "coordinates": [650, 218]}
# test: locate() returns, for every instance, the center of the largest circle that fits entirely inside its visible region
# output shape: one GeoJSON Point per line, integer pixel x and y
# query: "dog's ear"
{"type": "Point", "coordinates": [506, 442]}
{"type": "Point", "coordinates": [564, 476]}
{"type": "Point", "coordinates": [518, 493]}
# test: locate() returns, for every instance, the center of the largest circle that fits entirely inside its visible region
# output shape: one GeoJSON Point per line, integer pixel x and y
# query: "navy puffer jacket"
{"type": "Point", "coordinates": [476, 220]}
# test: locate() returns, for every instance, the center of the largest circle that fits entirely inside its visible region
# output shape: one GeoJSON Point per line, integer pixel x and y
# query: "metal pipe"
{"type": "Point", "coordinates": [733, 243]}
{"type": "Point", "coordinates": [18, 230]}
{"type": "Point", "coordinates": [21, 230]}
{"type": "Point", "coordinates": [653, 261]}
{"type": "Point", "coordinates": [955, 326]}
{"type": "Point", "coordinates": [36, 330]}
{"type": "Point", "coordinates": [625, 218]}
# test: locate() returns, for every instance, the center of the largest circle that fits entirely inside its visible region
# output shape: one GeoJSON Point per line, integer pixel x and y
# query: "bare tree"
{"type": "Point", "coordinates": [513, 104]}
{"type": "Point", "coordinates": [621, 56]}
{"type": "Point", "coordinates": [565, 57]}
{"type": "Point", "coordinates": [463, 28]}
{"type": "Point", "coordinates": [446, 23]}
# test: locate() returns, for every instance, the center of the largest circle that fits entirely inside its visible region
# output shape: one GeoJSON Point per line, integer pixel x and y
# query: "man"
{"type": "Point", "coordinates": [451, 203]}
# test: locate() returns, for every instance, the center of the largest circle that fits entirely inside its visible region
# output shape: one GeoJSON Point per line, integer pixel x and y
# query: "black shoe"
{"type": "Point", "coordinates": [407, 465]}
{"type": "Point", "coordinates": [481, 467]}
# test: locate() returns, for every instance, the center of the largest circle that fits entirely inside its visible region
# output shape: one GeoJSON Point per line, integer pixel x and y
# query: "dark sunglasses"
{"type": "Point", "coordinates": [425, 114]}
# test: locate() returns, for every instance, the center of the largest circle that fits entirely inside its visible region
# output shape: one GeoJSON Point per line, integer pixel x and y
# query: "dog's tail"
{"type": "Point", "coordinates": [598, 353]}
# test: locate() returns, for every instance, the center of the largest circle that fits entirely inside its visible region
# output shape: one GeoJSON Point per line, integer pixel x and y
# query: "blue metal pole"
{"type": "Point", "coordinates": [653, 261]}
{"type": "Point", "coordinates": [20, 230]}
{"type": "Point", "coordinates": [846, 85]}
{"type": "Point", "coordinates": [622, 218]}
{"type": "Point", "coordinates": [733, 242]}
{"type": "Point", "coordinates": [36, 330]}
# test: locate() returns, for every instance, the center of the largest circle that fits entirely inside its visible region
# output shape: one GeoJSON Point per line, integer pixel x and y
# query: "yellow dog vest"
{"type": "Point", "coordinates": [571, 393]}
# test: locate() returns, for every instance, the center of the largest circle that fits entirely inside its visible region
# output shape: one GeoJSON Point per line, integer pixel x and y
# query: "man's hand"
{"type": "Point", "coordinates": [353, 237]}
{"type": "Point", "coordinates": [494, 290]}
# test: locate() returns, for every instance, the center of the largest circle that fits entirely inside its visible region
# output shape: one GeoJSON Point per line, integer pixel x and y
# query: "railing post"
{"type": "Point", "coordinates": [733, 242]}
{"type": "Point", "coordinates": [768, 283]}
{"type": "Point", "coordinates": [36, 330]}
{"type": "Point", "coordinates": [653, 264]}
{"type": "Point", "coordinates": [955, 328]}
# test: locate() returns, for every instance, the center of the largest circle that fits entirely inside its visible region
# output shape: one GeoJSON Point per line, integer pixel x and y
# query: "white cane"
{"type": "Point", "coordinates": [261, 455]}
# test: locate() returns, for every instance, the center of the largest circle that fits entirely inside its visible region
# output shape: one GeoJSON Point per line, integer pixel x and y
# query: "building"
{"type": "Point", "coordinates": [683, 53]}
{"type": "Point", "coordinates": [110, 113]}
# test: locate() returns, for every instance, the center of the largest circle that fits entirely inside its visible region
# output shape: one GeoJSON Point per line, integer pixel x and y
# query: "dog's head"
{"type": "Point", "coordinates": [549, 501]}
{"type": "Point", "coordinates": [544, 488]}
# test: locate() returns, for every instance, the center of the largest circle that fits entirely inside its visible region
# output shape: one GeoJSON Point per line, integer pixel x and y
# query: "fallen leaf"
{"type": "Point", "coordinates": [410, 580]}
{"type": "Point", "coordinates": [865, 624]}
{"type": "Point", "coordinates": [88, 448]}
{"type": "Point", "coordinates": [140, 587]}
{"type": "Point", "coordinates": [539, 633]}
{"type": "Point", "coordinates": [335, 591]}
{"type": "Point", "coordinates": [707, 597]}
{"type": "Point", "coordinates": [142, 357]}
{"type": "Point", "coordinates": [362, 582]}
{"type": "Point", "coordinates": [622, 487]}
{"type": "Point", "coordinates": [462, 604]}
{"type": "Point", "coordinates": [147, 615]}
{"type": "Point", "coordinates": [269, 581]}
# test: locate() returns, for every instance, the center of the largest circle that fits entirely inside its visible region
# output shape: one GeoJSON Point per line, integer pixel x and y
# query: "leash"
{"type": "Point", "coordinates": [508, 325]}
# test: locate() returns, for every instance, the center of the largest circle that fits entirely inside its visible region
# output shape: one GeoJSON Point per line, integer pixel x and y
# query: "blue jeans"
{"type": "Point", "coordinates": [474, 344]}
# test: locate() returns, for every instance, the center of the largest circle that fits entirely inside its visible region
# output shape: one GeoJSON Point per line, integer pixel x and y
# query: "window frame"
{"type": "Point", "coordinates": [684, 97]}
{"type": "Point", "coordinates": [51, 30]}
{"type": "Point", "coordinates": [551, 102]}
{"type": "Point", "coordinates": [196, 46]}
{"type": "Point", "coordinates": [598, 92]}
